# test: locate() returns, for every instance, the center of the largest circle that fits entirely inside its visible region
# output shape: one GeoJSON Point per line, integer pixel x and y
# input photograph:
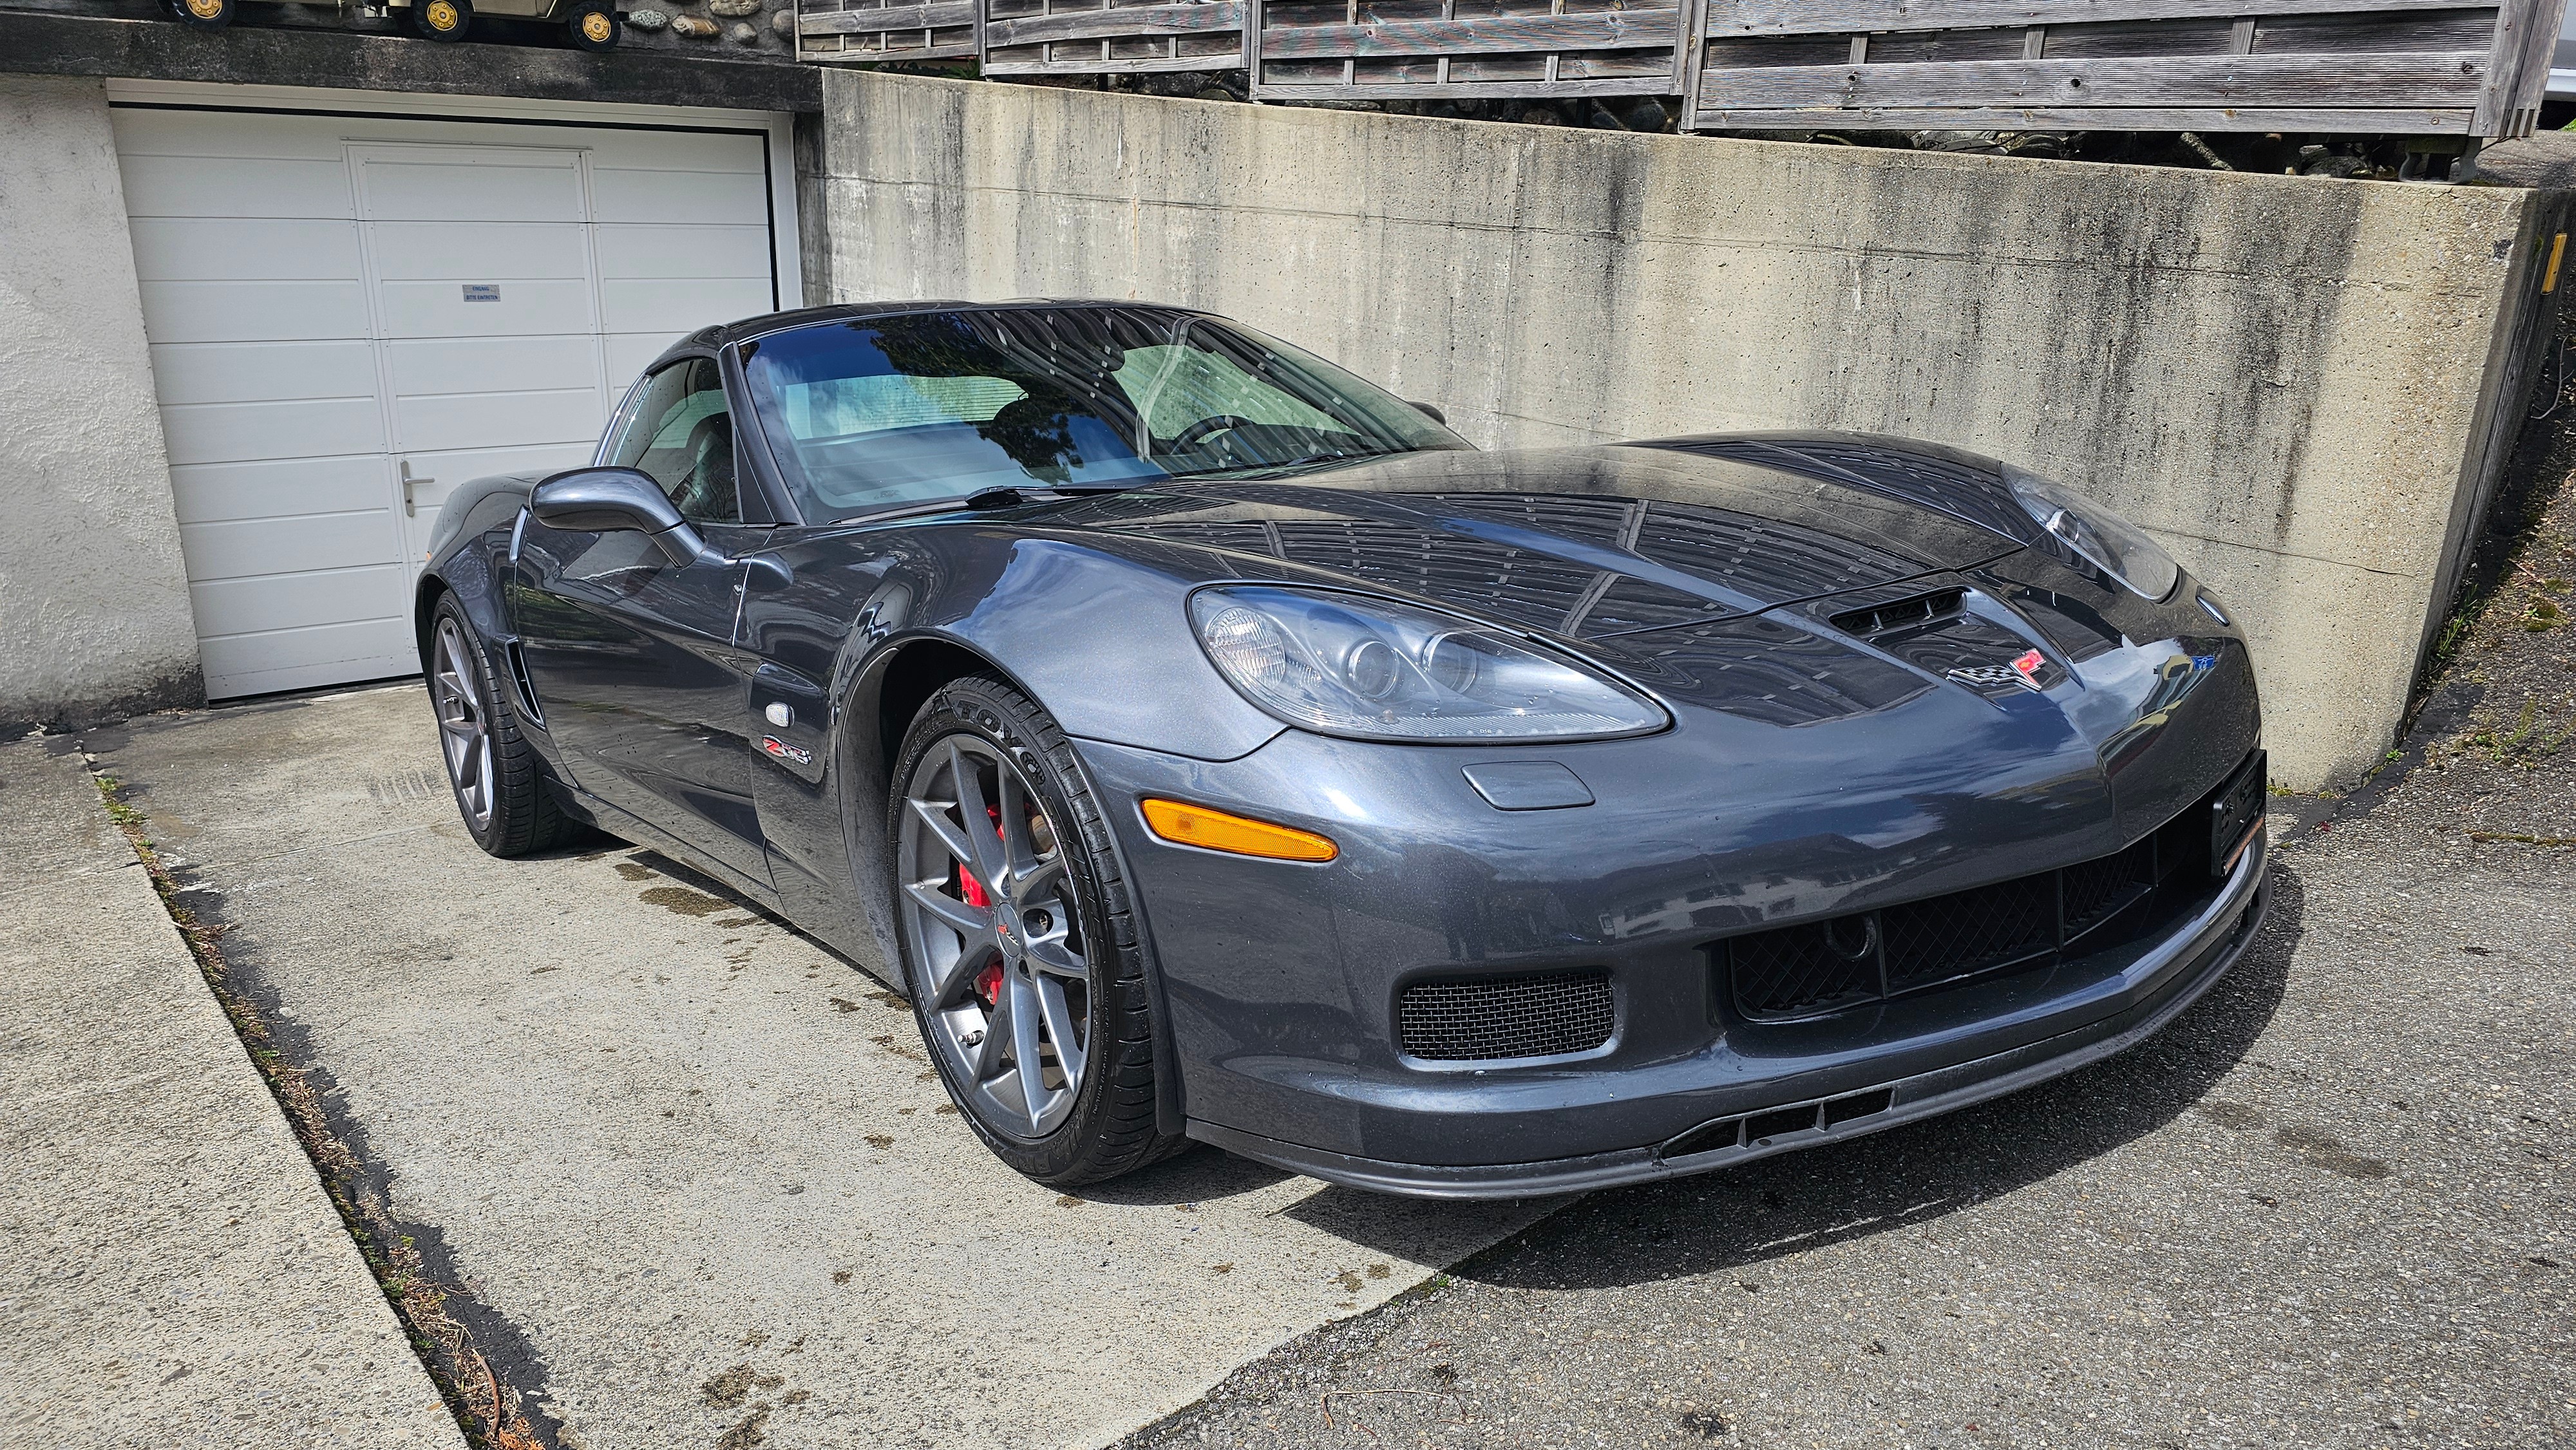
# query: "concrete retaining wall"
{"type": "Point", "coordinates": [2290, 381]}
{"type": "Point", "coordinates": [95, 621]}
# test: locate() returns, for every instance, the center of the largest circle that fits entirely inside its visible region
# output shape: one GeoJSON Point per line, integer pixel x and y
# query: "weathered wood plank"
{"type": "Point", "coordinates": [1518, 34]}
{"type": "Point", "coordinates": [2520, 28]}
{"type": "Point", "coordinates": [2407, 121]}
{"type": "Point", "coordinates": [872, 55]}
{"type": "Point", "coordinates": [1808, 17]}
{"type": "Point", "coordinates": [1139, 20]}
{"type": "Point", "coordinates": [1484, 90]}
{"type": "Point", "coordinates": [941, 15]}
{"type": "Point", "coordinates": [2439, 80]}
{"type": "Point", "coordinates": [1088, 66]}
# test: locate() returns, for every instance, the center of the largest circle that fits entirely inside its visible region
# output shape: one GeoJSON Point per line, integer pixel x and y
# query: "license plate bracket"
{"type": "Point", "coordinates": [2237, 812]}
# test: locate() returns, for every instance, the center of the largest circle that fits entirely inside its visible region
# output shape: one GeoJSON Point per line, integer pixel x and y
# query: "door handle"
{"type": "Point", "coordinates": [408, 482]}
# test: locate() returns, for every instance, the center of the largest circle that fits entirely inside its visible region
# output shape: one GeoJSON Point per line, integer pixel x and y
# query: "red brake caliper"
{"type": "Point", "coordinates": [988, 982]}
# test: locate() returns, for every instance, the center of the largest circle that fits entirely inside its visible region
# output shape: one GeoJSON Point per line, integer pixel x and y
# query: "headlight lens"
{"type": "Point", "coordinates": [2114, 545]}
{"type": "Point", "coordinates": [1377, 670]}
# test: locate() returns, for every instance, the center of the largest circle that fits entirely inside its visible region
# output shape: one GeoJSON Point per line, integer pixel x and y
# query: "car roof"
{"type": "Point", "coordinates": [707, 339]}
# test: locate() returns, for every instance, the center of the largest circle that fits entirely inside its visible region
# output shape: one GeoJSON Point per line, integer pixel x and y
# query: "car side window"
{"type": "Point", "coordinates": [681, 435]}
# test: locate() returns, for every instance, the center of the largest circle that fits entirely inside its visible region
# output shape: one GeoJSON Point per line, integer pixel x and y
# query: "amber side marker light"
{"type": "Point", "coordinates": [1236, 835]}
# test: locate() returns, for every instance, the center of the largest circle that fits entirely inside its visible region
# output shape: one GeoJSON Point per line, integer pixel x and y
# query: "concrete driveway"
{"type": "Point", "coordinates": [692, 1170]}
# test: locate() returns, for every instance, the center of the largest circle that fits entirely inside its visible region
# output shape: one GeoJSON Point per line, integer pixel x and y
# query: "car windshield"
{"type": "Point", "coordinates": [882, 411]}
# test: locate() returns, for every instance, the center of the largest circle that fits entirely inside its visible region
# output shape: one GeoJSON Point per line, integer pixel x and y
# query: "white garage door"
{"type": "Point", "coordinates": [350, 316]}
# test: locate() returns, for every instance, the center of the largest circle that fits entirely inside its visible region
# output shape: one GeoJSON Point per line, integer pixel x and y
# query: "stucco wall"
{"type": "Point", "coordinates": [2287, 379]}
{"type": "Point", "coordinates": [94, 615]}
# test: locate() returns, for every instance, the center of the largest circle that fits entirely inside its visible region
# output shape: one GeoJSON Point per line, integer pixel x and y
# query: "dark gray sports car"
{"type": "Point", "coordinates": [1213, 746]}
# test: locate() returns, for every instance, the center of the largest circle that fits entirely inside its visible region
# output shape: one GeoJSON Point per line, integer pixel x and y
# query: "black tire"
{"type": "Point", "coordinates": [446, 20]}
{"type": "Point", "coordinates": [594, 27]}
{"type": "Point", "coordinates": [1110, 1129]}
{"type": "Point", "coordinates": [201, 14]}
{"type": "Point", "coordinates": [521, 814]}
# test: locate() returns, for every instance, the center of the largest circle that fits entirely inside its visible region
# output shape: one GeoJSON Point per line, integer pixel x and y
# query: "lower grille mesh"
{"type": "Point", "coordinates": [1821, 966]}
{"type": "Point", "coordinates": [1498, 1017]}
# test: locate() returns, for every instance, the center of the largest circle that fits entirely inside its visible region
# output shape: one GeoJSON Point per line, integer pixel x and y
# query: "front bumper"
{"type": "Point", "coordinates": [1278, 980]}
{"type": "Point", "coordinates": [2159, 986]}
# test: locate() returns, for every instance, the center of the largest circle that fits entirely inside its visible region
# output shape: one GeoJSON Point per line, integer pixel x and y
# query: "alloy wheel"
{"type": "Point", "coordinates": [996, 948]}
{"type": "Point", "coordinates": [464, 734]}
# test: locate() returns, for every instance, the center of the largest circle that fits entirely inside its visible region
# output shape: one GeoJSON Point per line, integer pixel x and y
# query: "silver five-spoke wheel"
{"type": "Point", "coordinates": [996, 948]}
{"type": "Point", "coordinates": [463, 733]}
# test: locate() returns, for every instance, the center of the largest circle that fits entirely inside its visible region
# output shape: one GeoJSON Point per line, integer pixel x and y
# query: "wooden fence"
{"type": "Point", "coordinates": [1417, 49]}
{"type": "Point", "coordinates": [2420, 67]}
{"type": "Point", "coordinates": [1089, 37]}
{"type": "Point", "coordinates": [2412, 67]}
{"type": "Point", "coordinates": [873, 30]}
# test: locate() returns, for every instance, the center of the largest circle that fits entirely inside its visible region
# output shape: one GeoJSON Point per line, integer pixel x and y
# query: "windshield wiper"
{"type": "Point", "coordinates": [1000, 496]}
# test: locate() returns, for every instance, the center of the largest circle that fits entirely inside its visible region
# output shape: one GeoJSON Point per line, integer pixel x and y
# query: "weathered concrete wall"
{"type": "Point", "coordinates": [2288, 380]}
{"type": "Point", "coordinates": [94, 614]}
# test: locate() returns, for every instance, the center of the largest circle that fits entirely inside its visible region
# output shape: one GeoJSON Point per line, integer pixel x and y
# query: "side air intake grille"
{"type": "Point", "coordinates": [1896, 614]}
{"type": "Point", "coordinates": [1817, 967]}
{"type": "Point", "coordinates": [1472, 1019]}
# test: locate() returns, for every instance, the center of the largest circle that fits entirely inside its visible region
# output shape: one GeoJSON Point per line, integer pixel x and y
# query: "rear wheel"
{"type": "Point", "coordinates": [498, 780]}
{"type": "Point", "coordinates": [1019, 949]}
{"type": "Point", "coordinates": [201, 14]}
{"type": "Point", "coordinates": [442, 19]}
{"type": "Point", "coordinates": [593, 27]}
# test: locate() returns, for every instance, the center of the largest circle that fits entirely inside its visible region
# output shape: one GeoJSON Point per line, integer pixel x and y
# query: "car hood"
{"type": "Point", "coordinates": [1596, 542]}
{"type": "Point", "coordinates": [1774, 580]}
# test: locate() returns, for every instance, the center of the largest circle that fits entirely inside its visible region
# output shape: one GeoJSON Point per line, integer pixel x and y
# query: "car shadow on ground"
{"type": "Point", "coordinates": [1741, 1217]}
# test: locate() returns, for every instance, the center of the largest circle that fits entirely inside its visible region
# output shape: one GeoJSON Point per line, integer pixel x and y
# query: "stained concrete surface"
{"type": "Point", "coordinates": [2330, 1206]}
{"type": "Point", "coordinates": [692, 1170]}
{"type": "Point", "coordinates": [171, 1274]}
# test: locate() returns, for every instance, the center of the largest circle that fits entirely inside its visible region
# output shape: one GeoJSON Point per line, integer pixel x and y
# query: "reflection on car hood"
{"type": "Point", "coordinates": [1595, 542]}
{"type": "Point", "coordinates": [1742, 574]}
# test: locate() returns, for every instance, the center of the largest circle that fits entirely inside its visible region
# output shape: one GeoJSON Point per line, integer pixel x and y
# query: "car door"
{"type": "Point", "coordinates": [632, 655]}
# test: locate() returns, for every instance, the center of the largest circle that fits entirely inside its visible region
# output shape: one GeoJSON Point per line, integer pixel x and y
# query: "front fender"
{"type": "Point", "coordinates": [469, 558]}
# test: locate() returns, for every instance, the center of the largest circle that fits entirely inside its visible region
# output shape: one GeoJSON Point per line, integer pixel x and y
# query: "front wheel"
{"type": "Point", "coordinates": [1021, 955]}
{"type": "Point", "coordinates": [593, 27]}
{"type": "Point", "coordinates": [442, 19]}
{"type": "Point", "coordinates": [201, 14]}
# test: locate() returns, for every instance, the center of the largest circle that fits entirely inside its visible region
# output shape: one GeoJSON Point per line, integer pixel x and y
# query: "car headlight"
{"type": "Point", "coordinates": [2113, 544]}
{"type": "Point", "coordinates": [1377, 670]}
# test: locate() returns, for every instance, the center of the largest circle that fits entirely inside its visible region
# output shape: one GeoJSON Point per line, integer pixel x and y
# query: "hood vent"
{"type": "Point", "coordinates": [1899, 613]}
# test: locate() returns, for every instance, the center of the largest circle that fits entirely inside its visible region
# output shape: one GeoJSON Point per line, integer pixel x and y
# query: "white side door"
{"type": "Point", "coordinates": [483, 290]}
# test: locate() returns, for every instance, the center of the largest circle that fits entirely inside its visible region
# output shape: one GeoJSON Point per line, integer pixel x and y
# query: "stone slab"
{"type": "Point", "coordinates": [171, 1273]}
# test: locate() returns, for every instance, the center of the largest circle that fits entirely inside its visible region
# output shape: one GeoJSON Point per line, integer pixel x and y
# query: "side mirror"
{"type": "Point", "coordinates": [602, 500]}
{"type": "Point", "coordinates": [1433, 413]}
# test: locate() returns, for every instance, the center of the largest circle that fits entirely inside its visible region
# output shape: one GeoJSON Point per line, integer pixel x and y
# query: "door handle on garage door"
{"type": "Point", "coordinates": [408, 482]}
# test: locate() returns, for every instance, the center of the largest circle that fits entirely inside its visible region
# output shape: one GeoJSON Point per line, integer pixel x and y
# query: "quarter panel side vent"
{"type": "Point", "coordinates": [519, 680]}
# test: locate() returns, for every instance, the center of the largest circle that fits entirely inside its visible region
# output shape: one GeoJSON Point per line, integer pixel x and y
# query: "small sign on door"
{"type": "Point", "coordinates": [482, 291]}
